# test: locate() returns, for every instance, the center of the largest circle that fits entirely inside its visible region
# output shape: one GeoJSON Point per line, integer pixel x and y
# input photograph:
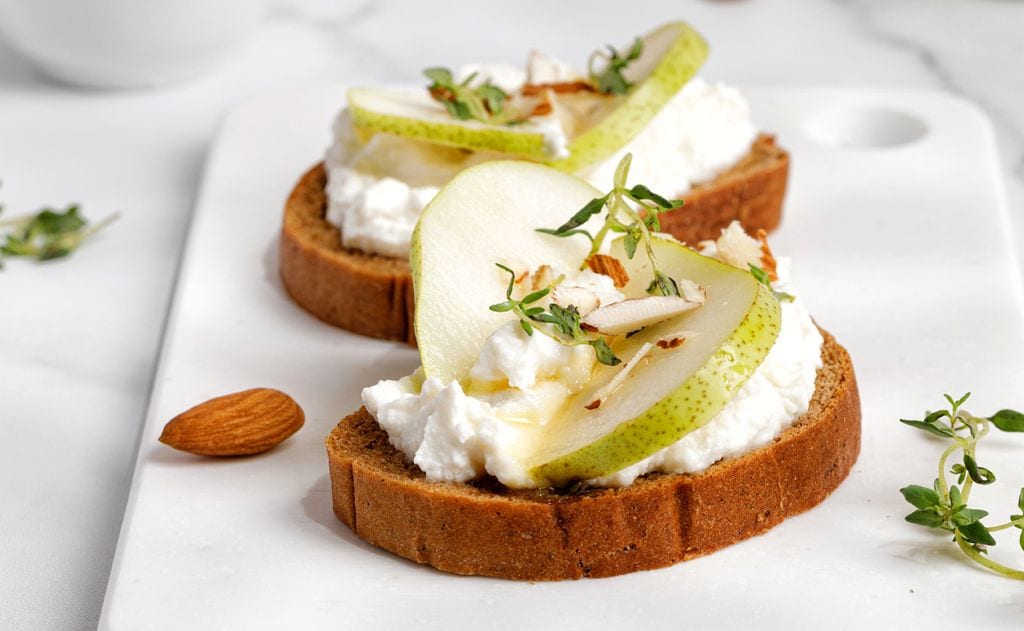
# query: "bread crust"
{"type": "Point", "coordinates": [751, 191]}
{"type": "Point", "coordinates": [485, 529]}
{"type": "Point", "coordinates": [372, 295]}
{"type": "Point", "coordinates": [364, 293]}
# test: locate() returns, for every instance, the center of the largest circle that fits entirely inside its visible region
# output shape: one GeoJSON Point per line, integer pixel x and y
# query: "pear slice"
{"type": "Point", "coordinates": [414, 114]}
{"type": "Point", "coordinates": [674, 391]}
{"type": "Point", "coordinates": [487, 214]}
{"type": "Point", "coordinates": [672, 55]}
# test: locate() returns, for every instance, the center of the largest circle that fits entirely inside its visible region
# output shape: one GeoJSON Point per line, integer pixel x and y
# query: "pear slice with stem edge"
{"type": "Point", "coordinates": [414, 114]}
{"type": "Point", "coordinates": [672, 392]}
{"type": "Point", "coordinates": [672, 55]}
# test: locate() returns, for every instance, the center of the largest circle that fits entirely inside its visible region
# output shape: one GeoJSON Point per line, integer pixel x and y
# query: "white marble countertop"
{"type": "Point", "coordinates": [79, 338]}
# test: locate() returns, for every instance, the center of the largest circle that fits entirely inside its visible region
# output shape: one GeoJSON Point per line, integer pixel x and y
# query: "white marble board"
{"type": "Point", "coordinates": [896, 218]}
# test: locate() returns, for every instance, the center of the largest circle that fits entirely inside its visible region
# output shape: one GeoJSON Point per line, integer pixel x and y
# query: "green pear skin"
{"type": "Point", "coordinates": [687, 408]}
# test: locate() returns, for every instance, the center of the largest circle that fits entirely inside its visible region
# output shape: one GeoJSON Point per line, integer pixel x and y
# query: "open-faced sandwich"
{"type": "Point", "coordinates": [595, 397]}
{"type": "Point", "coordinates": [349, 221]}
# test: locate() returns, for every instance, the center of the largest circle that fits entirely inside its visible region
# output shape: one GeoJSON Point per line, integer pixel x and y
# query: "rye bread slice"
{"type": "Point", "coordinates": [372, 295]}
{"type": "Point", "coordinates": [486, 529]}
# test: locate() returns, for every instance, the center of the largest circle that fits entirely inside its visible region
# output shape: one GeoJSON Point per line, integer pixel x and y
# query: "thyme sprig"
{"type": "Point", "coordinates": [485, 102]}
{"type": "Point", "coordinates": [47, 234]}
{"type": "Point", "coordinates": [609, 78]}
{"type": "Point", "coordinates": [945, 505]}
{"type": "Point", "coordinates": [762, 277]}
{"type": "Point", "coordinates": [635, 223]}
{"type": "Point", "coordinates": [564, 321]}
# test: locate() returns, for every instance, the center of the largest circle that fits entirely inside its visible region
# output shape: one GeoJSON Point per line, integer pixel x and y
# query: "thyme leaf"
{"type": "Point", "coordinates": [47, 234]}
{"type": "Point", "coordinates": [631, 211]}
{"type": "Point", "coordinates": [485, 102]}
{"type": "Point", "coordinates": [945, 505]}
{"type": "Point", "coordinates": [563, 323]}
{"type": "Point", "coordinates": [609, 79]}
{"type": "Point", "coordinates": [762, 277]}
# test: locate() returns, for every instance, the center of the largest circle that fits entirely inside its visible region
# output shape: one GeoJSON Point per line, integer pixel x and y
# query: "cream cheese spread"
{"type": "Point", "coordinates": [517, 379]}
{"type": "Point", "coordinates": [377, 187]}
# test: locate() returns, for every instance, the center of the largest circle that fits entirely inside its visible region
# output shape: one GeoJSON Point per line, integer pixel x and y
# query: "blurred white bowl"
{"type": "Point", "coordinates": [127, 43]}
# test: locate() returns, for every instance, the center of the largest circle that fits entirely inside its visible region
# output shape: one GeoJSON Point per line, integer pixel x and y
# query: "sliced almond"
{"type": "Point", "coordinates": [636, 313]}
{"type": "Point", "coordinates": [558, 87]}
{"type": "Point", "coordinates": [674, 340]}
{"type": "Point", "coordinates": [584, 299]}
{"type": "Point", "coordinates": [239, 424]}
{"type": "Point", "coordinates": [609, 388]}
{"type": "Point", "coordinates": [737, 248]}
{"type": "Point", "coordinates": [541, 278]}
{"type": "Point", "coordinates": [768, 263]}
{"type": "Point", "coordinates": [691, 291]}
{"type": "Point", "coordinates": [541, 108]}
{"type": "Point", "coordinates": [608, 266]}
{"type": "Point", "coordinates": [542, 70]}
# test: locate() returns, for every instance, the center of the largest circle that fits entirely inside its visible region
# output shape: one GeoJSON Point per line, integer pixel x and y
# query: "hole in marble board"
{"type": "Point", "coordinates": [865, 128]}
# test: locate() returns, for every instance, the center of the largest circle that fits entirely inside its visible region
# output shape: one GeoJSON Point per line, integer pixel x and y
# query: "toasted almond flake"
{"type": "Point", "coordinates": [542, 108]}
{"type": "Point", "coordinates": [637, 313]}
{"type": "Point", "coordinates": [675, 340]}
{"type": "Point", "coordinates": [609, 388]}
{"type": "Point", "coordinates": [608, 266]}
{"type": "Point", "coordinates": [582, 298]}
{"type": "Point", "coordinates": [768, 263]}
{"type": "Point", "coordinates": [736, 247]}
{"type": "Point", "coordinates": [541, 278]}
{"type": "Point", "coordinates": [558, 87]}
{"type": "Point", "coordinates": [692, 291]}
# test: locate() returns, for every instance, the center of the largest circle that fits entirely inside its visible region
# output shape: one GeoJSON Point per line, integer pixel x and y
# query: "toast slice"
{"type": "Point", "coordinates": [486, 529]}
{"type": "Point", "coordinates": [371, 294]}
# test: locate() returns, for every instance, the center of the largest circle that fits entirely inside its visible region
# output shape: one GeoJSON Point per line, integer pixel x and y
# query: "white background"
{"type": "Point", "coordinates": [79, 338]}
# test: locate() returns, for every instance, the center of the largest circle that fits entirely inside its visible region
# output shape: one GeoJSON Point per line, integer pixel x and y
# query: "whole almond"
{"type": "Point", "coordinates": [239, 424]}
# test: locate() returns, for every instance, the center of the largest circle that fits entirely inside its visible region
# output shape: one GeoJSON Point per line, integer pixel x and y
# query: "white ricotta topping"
{"type": "Point", "coordinates": [518, 378]}
{"type": "Point", "coordinates": [377, 188]}
{"type": "Point", "coordinates": [701, 132]}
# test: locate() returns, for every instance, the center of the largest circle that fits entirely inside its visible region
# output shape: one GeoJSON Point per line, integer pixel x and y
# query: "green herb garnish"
{"type": "Point", "coordinates": [48, 234]}
{"type": "Point", "coordinates": [609, 79]}
{"type": "Point", "coordinates": [636, 224]}
{"type": "Point", "coordinates": [762, 277]}
{"type": "Point", "coordinates": [944, 505]}
{"type": "Point", "coordinates": [564, 321]}
{"type": "Point", "coordinates": [485, 102]}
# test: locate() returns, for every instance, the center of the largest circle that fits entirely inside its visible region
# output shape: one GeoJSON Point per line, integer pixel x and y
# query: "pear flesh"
{"type": "Point", "coordinates": [672, 55]}
{"type": "Point", "coordinates": [414, 114]}
{"type": "Point", "coordinates": [487, 214]}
